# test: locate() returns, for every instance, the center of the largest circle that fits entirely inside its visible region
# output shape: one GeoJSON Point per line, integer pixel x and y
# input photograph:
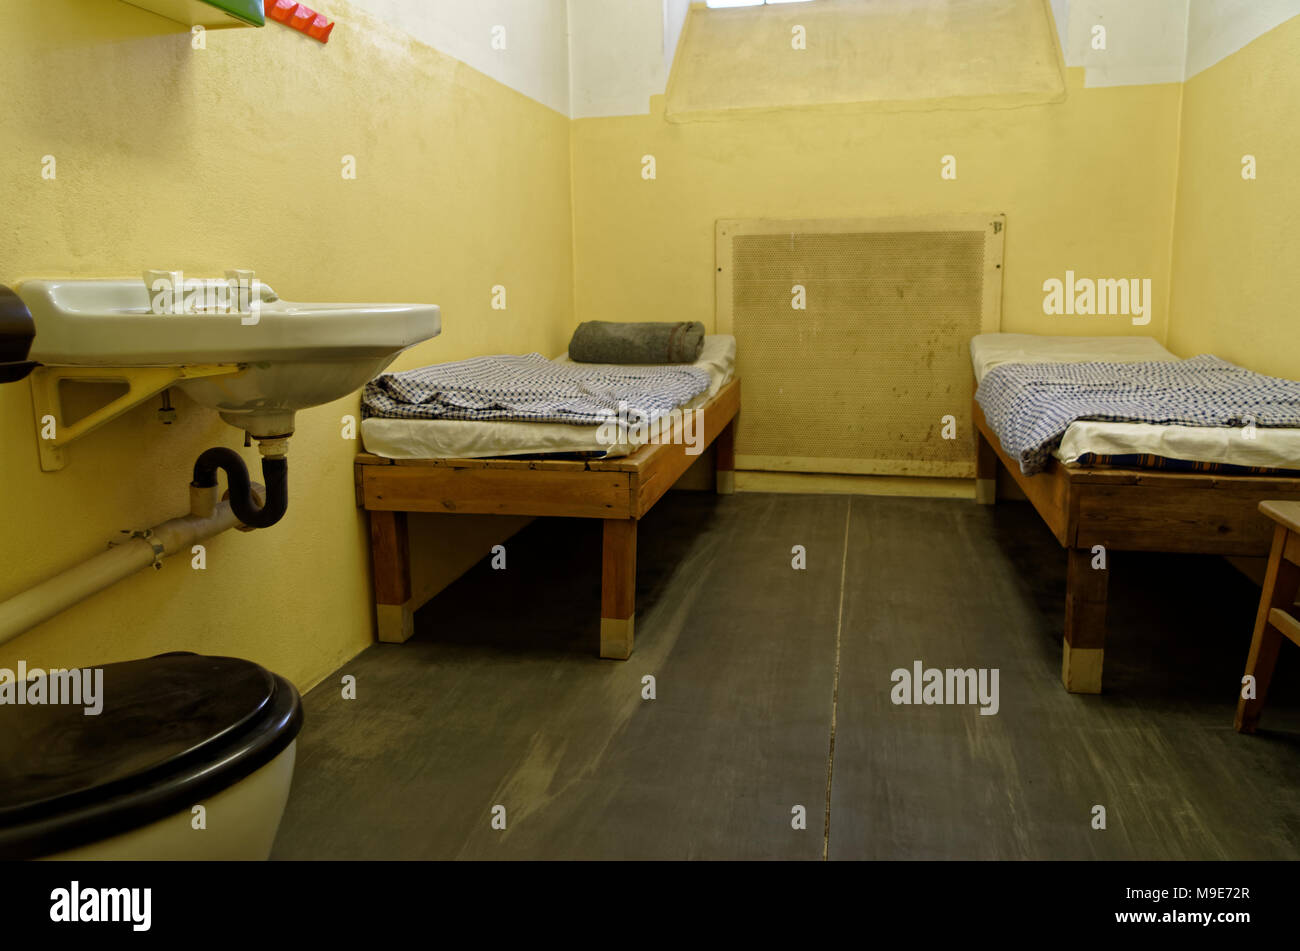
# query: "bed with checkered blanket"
{"type": "Point", "coordinates": [493, 469]}
{"type": "Point", "coordinates": [1029, 406]}
{"type": "Point", "coordinates": [531, 388]}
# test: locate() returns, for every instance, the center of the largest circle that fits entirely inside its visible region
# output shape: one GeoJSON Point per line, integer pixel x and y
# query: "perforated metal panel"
{"type": "Point", "coordinates": [862, 378]}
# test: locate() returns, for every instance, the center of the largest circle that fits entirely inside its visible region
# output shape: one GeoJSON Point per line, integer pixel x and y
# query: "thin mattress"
{"type": "Point", "coordinates": [465, 439]}
{"type": "Point", "coordinates": [1271, 448]}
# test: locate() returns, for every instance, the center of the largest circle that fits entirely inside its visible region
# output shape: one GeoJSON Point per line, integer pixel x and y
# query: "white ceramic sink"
{"type": "Point", "coordinates": [293, 356]}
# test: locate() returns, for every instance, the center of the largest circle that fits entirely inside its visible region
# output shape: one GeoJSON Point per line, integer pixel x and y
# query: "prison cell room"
{"type": "Point", "coordinates": [566, 430]}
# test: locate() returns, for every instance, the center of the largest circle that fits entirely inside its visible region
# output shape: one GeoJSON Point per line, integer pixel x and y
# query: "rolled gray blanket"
{"type": "Point", "coordinates": [603, 341]}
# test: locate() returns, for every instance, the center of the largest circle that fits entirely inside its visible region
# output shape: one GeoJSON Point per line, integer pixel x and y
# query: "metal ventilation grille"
{"type": "Point", "coordinates": [860, 381]}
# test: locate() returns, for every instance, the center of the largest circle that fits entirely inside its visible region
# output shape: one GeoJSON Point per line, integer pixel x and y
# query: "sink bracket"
{"type": "Point", "coordinates": [142, 384]}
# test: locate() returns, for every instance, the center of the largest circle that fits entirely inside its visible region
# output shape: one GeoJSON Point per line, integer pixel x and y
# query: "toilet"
{"type": "Point", "coordinates": [175, 732]}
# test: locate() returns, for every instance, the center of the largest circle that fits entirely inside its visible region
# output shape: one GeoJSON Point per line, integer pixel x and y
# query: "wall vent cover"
{"type": "Point", "coordinates": [859, 380]}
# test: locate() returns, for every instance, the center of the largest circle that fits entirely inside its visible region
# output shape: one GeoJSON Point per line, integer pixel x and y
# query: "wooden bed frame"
{"type": "Point", "coordinates": [617, 491]}
{"type": "Point", "coordinates": [1128, 510]}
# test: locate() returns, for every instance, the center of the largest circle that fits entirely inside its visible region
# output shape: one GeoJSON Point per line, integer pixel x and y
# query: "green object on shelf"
{"type": "Point", "coordinates": [212, 14]}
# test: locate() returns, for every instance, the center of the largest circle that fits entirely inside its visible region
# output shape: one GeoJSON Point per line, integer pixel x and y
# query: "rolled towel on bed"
{"type": "Point", "coordinates": [602, 341]}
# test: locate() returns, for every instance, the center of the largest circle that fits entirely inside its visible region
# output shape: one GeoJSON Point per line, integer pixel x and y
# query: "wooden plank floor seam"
{"type": "Point", "coordinates": [835, 684]}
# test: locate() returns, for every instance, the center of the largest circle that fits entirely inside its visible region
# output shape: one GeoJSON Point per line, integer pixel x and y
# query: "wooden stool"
{"type": "Point", "coordinates": [1276, 607]}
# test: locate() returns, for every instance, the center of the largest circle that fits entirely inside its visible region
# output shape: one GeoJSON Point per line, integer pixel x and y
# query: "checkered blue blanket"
{"type": "Point", "coordinates": [1030, 405]}
{"type": "Point", "coordinates": [531, 388]}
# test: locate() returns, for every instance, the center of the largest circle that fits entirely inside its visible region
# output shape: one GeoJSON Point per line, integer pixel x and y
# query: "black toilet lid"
{"type": "Point", "coordinates": [172, 729]}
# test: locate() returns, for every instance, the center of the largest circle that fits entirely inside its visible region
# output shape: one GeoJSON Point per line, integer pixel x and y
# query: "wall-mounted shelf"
{"type": "Point", "coordinates": [210, 14]}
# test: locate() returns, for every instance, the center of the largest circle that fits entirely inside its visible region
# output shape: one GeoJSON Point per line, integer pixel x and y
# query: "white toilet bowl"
{"type": "Point", "coordinates": [176, 732]}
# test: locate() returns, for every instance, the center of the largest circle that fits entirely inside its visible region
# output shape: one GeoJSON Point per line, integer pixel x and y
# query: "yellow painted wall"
{"type": "Point", "coordinates": [169, 157]}
{"type": "Point", "coordinates": [1236, 277]}
{"type": "Point", "coordinates": [1087, 185]}
{"type": "Point", "coordinates": [230, 156]}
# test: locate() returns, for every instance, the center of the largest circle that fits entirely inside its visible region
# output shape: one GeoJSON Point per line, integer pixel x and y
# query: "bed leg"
{"type": "Point", "coordinates": [1283, 580]}
{"type": "Point", "coordinates": [724, 455]}
{"type": "Point", "coordinates": [618, 588]}
{"type": "Point", "coordinates": [1085, 623]}
{"type": "Point", "coordinates": [986, 471]}
{"type": "Point", "coordinates": [390, 556]}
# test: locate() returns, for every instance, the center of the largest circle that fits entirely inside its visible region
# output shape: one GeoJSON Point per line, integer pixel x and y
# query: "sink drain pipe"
{"type": "Point", "coordinates": [275, 470]}
{"type": "Point", "coordinates": [209, 516]}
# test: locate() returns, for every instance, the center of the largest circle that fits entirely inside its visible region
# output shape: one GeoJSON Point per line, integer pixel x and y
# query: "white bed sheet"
{"type": "Point", "coordinates": [477, 439]}
{"type": "Point", "coordinates": [990, 350]}
{"type": "Point", "coordinates": [1271, 448]}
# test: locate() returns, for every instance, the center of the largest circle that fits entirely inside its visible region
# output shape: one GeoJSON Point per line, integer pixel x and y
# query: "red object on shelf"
{"type": "Point", "coordinates": [321, 28]}
{"type": "Point", "coordinates": [302, 18]}
{"type": "Point", "coordinates": [281, 10]}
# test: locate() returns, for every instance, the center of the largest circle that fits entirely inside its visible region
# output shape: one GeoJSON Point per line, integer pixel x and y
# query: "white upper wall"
{"type": "Point", "coordinates": [1161, 41]}
{"type": "Point", "coordinates": [588, 58]}
{"type": "Point", "coordinates": [1218, 28]}
{"type": "Point", "coordinates": [1145, 40]}
{"type": "Point", "coordinates": [617, 57]}
{"type": "Point", "coordinates": [535, 60]}
{"type": "Point", "coordinates": [674, 19]}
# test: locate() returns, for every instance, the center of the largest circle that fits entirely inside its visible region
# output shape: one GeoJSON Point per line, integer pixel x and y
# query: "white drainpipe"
{"type": "Point", "coordinates": [208, 517]}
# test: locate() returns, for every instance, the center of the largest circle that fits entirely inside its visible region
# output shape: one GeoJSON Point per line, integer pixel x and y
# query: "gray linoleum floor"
{"type": "Point", "coordinates": [500, 700]}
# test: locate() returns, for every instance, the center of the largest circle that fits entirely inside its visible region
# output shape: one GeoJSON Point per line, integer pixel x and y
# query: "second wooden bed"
{"type": "Point", "coordinates": [617, 491]}
{"type": "Point", "coordinates": [1127, 510]}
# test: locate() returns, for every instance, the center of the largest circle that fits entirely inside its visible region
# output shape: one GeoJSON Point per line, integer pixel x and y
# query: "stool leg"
{"type": "Point", "coordinates": [1280, 586]}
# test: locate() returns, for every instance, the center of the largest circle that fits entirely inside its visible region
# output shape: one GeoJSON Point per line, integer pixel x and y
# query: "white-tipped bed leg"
{"type": "Point", "coordinates": [986, 471]}
{"type": "Point", "coordinates": [618, 588]}
{"type": "Point", "coordinates": [616, 637]}
{"type": "Point", "coordinates": [1081, 668]}
{"type": "Point", "coordinates": [1085, 623]}
{"type": "Point", "coordinates": [395, 623]}
{"type": "Point", "coordinates": [724, 465]}
{"type": "Point", "coordinates": [390, 562]}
